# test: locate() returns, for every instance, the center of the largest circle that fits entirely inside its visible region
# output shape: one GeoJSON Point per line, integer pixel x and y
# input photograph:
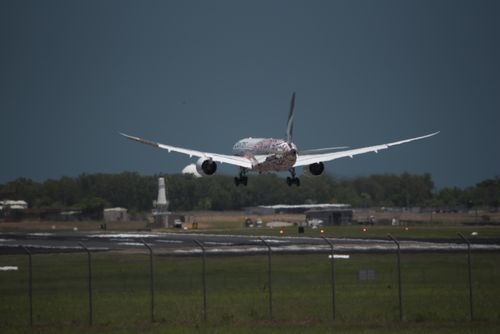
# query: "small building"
{"type": "Point", "coordinates": [330, 216]}
{"type": "Point", "coordinates": [115, 214]}
{"type": "Point", "coordinates": [13, 205]}
{"type": "Point", "coordinates": [11, 210]}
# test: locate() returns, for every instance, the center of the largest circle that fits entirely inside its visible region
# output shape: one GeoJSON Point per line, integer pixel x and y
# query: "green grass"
{"type": "Point", "coordinates": [363, 231]}
{"type": "Point", "coordinates": [58, 226]}
{"type": "Point", "coordinates": [415, 230]}
{"type": "Point", "coordinates": [435, 294]}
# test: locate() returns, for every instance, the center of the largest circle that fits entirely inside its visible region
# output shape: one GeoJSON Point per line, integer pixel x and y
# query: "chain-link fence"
{"type": "Point", "coordinates": [144, 284]}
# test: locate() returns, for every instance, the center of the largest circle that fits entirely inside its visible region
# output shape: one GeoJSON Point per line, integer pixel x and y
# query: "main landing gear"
{"type": "Point", "coordinates": [293, 180]}
{"type": "Point", "coordinates": [242, 178]}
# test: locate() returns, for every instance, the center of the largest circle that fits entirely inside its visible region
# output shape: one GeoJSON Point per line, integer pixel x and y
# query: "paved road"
{"type": "Point", "coordinates": [183, 243]}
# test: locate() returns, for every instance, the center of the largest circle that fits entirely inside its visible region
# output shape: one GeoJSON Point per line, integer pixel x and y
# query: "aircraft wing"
{"type": "Point", "coordinates": [229, 159]}
{"type": "Point", "coordinates": [308, 159]}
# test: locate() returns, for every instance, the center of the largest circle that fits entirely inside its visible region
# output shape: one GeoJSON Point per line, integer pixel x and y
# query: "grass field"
{"type": "Point", "coordinates": [435, 294]}
{"type": "Point", "coordinates": [435, 286]}
{"type": "Point", "coordinates": [414, 230]}
{"type": "Point", "coordinates": [362, 231]}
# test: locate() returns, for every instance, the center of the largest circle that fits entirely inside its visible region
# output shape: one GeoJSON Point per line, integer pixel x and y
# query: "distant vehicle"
{"type": "Point", "coordinates": [315, 222]}
{"type": "Point", "coordinates": [271, 155]}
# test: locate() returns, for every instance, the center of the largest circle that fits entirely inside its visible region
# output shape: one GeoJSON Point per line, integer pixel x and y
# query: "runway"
{"type": "Point", "coordinates": [184, 243]}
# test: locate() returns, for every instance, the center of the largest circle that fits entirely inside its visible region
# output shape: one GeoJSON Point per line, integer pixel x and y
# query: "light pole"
{"type": "Point", "coordinates": [203, 279]}
{"type": "Point", "coordinates": [333, 275]}
{"type": "Point", "coordinates": [90, 280]}
{"type": "Point", "coordinates": [151, 280]}
{"type": "Point", "coordinates": [401, 314]}
{"type": "Point", "coordinates": [269, 278]}
{"type": "Point", "coordinates": [470, 274]}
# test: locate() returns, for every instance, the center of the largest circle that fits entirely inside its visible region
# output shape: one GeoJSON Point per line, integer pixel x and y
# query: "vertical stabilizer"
{"type": "Point", "coordinates": [289, 126]}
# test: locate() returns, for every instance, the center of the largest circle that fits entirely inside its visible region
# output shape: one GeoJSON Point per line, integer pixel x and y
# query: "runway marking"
{"type": "Point", "coordinates": [295, 248]}
{"type": "Point", "coordinates": [270, 239]}
{"type": "Point", "coordinates": [123, 235]}
{"type": "Point", "coordinates": [236, 243]}
{"type": "Point", "coordinates": [55, 247]}
{"type": "Point", "coordinates": [131, 244]}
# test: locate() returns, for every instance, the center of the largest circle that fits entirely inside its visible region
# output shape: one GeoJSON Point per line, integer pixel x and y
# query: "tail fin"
{"type": "Point", "coordinates": [289, 127]}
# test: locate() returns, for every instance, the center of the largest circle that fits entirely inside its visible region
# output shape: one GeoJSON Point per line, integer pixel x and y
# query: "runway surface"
{"type": "Point", "coordinates": [184, 244]}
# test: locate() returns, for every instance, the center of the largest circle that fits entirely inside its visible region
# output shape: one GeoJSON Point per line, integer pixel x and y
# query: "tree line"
{"type": "Point", "coordinates": [185, 192]}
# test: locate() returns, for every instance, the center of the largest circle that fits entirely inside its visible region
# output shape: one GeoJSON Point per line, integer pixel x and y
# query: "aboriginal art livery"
{"type": "Point", "coordinates": [265, 155]}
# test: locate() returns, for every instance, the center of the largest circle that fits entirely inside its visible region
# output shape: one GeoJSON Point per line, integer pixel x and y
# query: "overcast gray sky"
{"type": "Point", "coordinates": [202, 74]}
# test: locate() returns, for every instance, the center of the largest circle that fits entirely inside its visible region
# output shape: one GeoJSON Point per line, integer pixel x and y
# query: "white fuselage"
{"type": "Point", "coordinates": [281, 155]}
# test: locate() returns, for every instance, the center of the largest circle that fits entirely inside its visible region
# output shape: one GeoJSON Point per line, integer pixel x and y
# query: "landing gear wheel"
{"type": "Point", "coordinates": [293, 180]}
{"type": "Point", "coordinates": [242, 179]}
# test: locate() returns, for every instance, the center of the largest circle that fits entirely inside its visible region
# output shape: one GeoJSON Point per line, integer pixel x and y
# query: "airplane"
{"type": "Point", "coordinates": [264, 155]}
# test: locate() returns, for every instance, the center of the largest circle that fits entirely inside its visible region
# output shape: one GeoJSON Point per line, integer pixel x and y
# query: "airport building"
{"type": "Point", "coordinates": [330, 216]}
{"type": "Point", "coordinates": [115, 214]}
{"type": "Point", "coordinates": [13, 205]}
{"type": "Point", "coordinates": [12, 210]}
{"type": "Point", "coordinates": [299, 208]}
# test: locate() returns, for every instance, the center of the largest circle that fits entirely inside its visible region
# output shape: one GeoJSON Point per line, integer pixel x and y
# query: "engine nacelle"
{"type": "Point", "coordinates": [314, 169]}
{"type": "Point", "coordinates": [206, 167]}
{"type": "Point", "coordinates": [191, 170]}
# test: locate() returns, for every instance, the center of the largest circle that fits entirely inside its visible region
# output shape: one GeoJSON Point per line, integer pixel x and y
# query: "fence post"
{"type": "Point", "coordinates": [204, 282]}
{"type": "Point", "coordinates": [30, 283]}
{"type": "Point", "coordinates": [151, 280]}
{"type": "Point", "coordinates": [333, 276]}
{"type": "Point", "coordinates": [90, 281]}
{"type": "Point", "coordinates": [401, 314]}
{"type": "Point", "coordinates": [470, 274]}
{"type": "Point", "coordinates": [269, 278]}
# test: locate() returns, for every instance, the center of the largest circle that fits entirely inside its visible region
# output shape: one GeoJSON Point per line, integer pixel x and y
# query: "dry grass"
{"type": "Point", "coordinates": [448, 217]}
{"type": "Point", "coordinates": [70, 226]}
{"type": "Point", "coordinates": [235, 220]}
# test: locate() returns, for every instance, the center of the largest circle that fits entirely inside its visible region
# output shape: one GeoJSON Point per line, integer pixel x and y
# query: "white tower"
{"type": "Point", "coordinates": [160, 212]}
{"type": "Point", "coordinates": [161, 202]}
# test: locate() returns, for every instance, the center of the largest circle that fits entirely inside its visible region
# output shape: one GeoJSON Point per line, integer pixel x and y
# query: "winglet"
{"type": "Point", "coordinates": [289, 126]}
{"type": "Point", "coordinates": [412, 139]}
{"type": "Point", "coordinates": [140, 140]}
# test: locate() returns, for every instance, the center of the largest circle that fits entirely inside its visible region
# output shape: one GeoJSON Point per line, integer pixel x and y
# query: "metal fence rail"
{"type": "Point", "coordinates": [266, 247]}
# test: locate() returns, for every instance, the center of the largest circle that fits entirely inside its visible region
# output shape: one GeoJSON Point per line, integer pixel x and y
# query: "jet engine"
{"type": "Point", "coordinates": [314, 169]}
{"type": "Point", "coordinates": [206, 167]}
